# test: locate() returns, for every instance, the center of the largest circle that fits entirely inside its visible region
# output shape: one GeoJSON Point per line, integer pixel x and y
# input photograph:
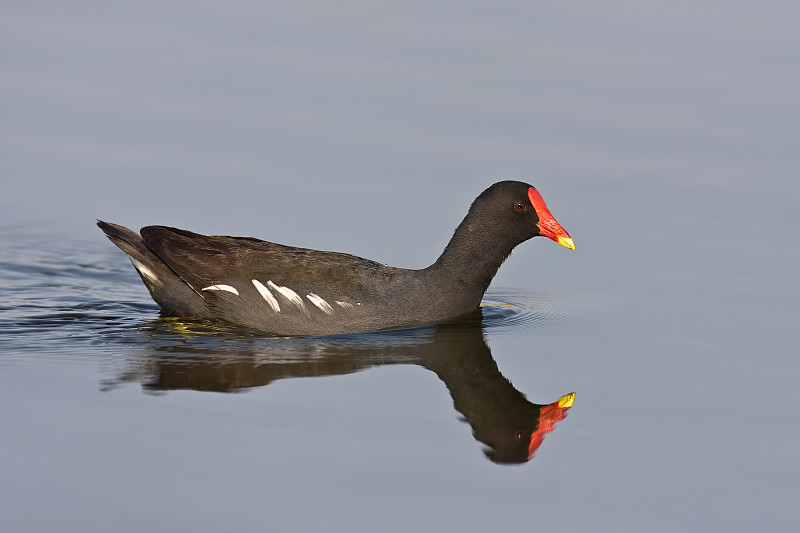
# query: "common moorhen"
{"type": "Point", "coordinates": [291, 291]}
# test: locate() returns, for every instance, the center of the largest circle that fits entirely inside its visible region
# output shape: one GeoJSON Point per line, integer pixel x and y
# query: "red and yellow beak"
{"type": "Point", "coordinates": [548, 227]}
{"type": "Point", "coordinates": [548, 416]}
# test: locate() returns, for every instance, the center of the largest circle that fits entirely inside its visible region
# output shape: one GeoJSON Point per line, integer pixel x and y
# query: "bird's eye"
{"type": "Point", "coordinates": [519, 206]}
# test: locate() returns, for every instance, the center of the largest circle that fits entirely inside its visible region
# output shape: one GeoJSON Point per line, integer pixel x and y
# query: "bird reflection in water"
{"type": "Point", "coordinates": [510, 427]}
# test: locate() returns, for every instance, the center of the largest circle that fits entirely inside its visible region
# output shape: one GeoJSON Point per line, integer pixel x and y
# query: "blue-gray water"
{"type": "Point", "coordinates": [663, 137]}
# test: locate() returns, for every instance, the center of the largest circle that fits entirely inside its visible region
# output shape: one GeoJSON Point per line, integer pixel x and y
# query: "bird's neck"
{"type": "Point", "coordinates": [470, 261]}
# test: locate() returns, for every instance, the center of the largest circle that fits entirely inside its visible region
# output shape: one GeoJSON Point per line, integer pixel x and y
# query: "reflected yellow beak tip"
{"type": "Point", "coordinates": [566, 401]}
{"type": "Point", "coordinates": [566, 241]}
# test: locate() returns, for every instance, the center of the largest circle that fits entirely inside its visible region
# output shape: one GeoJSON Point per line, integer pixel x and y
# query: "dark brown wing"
{"type": "Point", "coordinates": [205, 260]}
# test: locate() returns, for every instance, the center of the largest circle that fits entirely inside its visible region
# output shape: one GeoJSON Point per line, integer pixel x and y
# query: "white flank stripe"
{"type": "Point", "coordinates": [226, 288]}
{"type": "Point", "coordinates": [344, 305]}
{"type": "Point", "coordinates": [273, 303]}
{"type": "Point", "coordinates": [319, 302]}
{"type": "Point", "coordinates": [146, 272]}
{"type": "Point", "coordinates": [287, 293]}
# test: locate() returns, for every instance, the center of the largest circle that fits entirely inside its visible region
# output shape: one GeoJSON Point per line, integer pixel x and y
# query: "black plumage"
{"type": "Point", "coordinates": [285, 290]}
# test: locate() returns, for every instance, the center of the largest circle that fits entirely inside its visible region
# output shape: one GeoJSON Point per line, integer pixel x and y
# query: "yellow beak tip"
{"type": "Point", "coordinates": [567, 400]}
{"type": "Point", "coordinates": [566, 241]}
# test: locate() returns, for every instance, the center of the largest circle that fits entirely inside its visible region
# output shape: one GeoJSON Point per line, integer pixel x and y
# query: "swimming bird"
{"type": "Point", "coordinates": [288, 291]}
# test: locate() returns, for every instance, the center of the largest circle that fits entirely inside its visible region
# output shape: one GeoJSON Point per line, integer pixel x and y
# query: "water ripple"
{"type": "Point", "coordinates": [512, 309]}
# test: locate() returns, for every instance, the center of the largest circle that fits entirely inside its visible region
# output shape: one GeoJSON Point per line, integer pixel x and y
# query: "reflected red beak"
{"type": "Point", "coordinates": [548, 416]}
{"type": "Point", "coordinates": [548, 227]}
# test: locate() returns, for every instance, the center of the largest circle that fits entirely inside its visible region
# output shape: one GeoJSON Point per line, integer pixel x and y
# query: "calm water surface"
{"type": "Point", "coordinates": [663, 140]}
{"type": "Point", "coordinates": [110, 410]}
